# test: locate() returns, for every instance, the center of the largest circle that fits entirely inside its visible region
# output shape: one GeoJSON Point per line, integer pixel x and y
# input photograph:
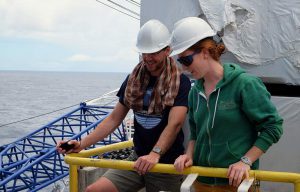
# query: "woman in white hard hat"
{"type": "Point", "coordinates": [232, 120]}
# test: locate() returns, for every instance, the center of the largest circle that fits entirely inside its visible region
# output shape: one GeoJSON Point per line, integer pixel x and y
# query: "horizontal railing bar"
{"type": "Point", "coordinates": [82, 159]}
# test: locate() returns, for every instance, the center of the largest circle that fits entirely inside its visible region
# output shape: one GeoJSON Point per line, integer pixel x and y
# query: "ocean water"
{"type": "Point", "coordinates": [26, 94]}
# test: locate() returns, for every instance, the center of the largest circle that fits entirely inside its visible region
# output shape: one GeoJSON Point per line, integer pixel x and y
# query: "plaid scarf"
{"type": "Point", "coordinates": [164, 92]}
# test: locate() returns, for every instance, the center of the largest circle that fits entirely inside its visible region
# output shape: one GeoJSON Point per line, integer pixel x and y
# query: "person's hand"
{"type": "Point", "coordinates": [75, 149]}
{"type": "Point", "coordinates": [182, 162]}
{"type": "Point", "coordinates": [237, 172]}
{"type": "Point", "coordinates": [146, 162]}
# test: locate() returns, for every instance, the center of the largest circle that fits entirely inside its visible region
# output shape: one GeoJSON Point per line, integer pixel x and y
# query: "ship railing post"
{"type": "Point", "coordinates": [73, 172]}
{"type": "Point", "coordinates": [297, 186]}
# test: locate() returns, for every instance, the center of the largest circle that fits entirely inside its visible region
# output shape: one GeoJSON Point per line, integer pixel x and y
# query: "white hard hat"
{"type": "Point", "coordinates": [152, 37]}
{"type": "Point", "coordinates": [187, 32]}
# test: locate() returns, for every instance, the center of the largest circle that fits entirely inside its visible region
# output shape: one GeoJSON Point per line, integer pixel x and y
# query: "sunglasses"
{"type": "Point", "coordinates": [187, 60]}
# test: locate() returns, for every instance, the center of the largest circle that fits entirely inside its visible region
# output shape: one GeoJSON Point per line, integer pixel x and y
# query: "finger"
{"type": "Point", "coordinates": [136, 164]}
{"type": "Point", "coordinates": [189, 163]}
{"type": "Point", "coordinates": [247, 174]}
{"type": "Point", "coordinates": [229, 170]}
{"type": "Point", "coordinates": [146, 168]}
{"type": "Point", "coordinates": [69, 151]}
{"type": "Point", "coordinates": [177, 166]}
{"type": "Point", "coordinates": [76, 145]}
{"type": "Point", "coordinates": [59, 143]}
{"type": "Point", "coordinates": [75, 142]}
{"type": "Point", "coordinates": [59, 150]}
{"type": "Point", "coordinates": [236, 178]}
{"type": "Point", "coordinates": [177, 161]}
{"type": "Point", "coordinates": [181, 163]}
{"type": "Point", "coordinates": [140, 166]}
{"type": "Point", "coordinates": [231, 176]}
{"type": "Point", "coordinates": [240, 178]}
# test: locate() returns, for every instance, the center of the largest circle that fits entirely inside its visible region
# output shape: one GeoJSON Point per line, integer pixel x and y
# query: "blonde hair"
{"type": "Point", "coordinates": [215, 50]}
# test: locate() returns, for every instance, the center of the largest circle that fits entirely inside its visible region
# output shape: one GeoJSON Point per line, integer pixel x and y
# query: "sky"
{"type": "Point", "coordinates": [66, 35]}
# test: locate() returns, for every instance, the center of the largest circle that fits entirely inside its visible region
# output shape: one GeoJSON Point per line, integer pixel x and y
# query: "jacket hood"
{"type": "Point", "coordinates": [231, 71]}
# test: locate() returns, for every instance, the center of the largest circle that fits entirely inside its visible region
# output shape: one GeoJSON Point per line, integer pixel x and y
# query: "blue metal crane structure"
{"type": "Point", "coordinates": [32, 162]}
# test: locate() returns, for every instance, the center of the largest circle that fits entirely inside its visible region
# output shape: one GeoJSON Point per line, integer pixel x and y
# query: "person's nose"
{"type": "Point", "coordinates": [147, 57]}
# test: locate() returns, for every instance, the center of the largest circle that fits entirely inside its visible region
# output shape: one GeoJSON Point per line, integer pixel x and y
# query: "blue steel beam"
{"type": "Point", "coordinates": [32, 163]}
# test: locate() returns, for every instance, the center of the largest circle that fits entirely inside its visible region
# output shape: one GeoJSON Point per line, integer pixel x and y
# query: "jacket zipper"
{"type": "Point", "coordinates": [208, 132]}
{"type": "Point", "coordinates": [207, 128]}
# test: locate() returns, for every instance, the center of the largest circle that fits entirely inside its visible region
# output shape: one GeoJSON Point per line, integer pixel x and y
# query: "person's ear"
{"type": "Point", "coordinates": [168, 51]}
{"type": "Point", "coordinates": [205, 53]}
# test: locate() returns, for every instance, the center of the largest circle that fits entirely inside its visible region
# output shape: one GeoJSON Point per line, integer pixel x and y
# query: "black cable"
{"type": "Point", "coordinates": [117, 10]}
{"type": "Point", "coordinates": [41, 114]}
{"type": "Point", "coordinates": [134, 3]}
{"type": "Point", "coordinates": [36, 116]}
{"type": "Point", "coordinates": [129, 10]}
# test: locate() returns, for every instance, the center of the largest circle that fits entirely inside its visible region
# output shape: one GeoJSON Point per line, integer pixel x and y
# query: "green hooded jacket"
{"type": "Point", "coordinates": [237, 115]}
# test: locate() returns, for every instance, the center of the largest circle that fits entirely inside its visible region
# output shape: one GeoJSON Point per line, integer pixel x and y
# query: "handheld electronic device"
{"type": "Point", "coordinates": [66, 146]}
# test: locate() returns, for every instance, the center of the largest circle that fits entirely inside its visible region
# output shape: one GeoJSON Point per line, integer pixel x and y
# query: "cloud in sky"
{"type": "Point", "coordinates": [79, 58]}
{"type": "Point", "coordinates": [35, 34]}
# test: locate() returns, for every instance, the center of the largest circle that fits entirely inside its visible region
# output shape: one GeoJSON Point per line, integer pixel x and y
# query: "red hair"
{"type": "Point", "coordinates": [215, 50]}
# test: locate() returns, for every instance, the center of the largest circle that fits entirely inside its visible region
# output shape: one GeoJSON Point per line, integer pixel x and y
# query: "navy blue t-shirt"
{"type": "Point", "coordinates": [148, 128]}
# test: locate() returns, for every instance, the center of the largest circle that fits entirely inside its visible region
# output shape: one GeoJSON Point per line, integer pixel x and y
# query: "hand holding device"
{"type": "Point", "coordinates": [66, 146]}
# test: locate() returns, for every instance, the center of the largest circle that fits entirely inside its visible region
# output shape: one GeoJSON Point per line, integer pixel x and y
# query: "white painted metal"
{"type": "Point", "coordinates": [186, 186]}
{"type": "Point", "coordinates": [245, 185]}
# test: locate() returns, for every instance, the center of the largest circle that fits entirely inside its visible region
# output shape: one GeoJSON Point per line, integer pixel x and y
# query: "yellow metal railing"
{"type": "Point", "coordinates": [82, 159]}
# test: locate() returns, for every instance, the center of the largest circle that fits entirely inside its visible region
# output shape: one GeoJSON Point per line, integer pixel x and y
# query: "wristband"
{"type": "Point", "coordinates": [246, 160]}
{"type": "Point", "coordinates": [157, 150]}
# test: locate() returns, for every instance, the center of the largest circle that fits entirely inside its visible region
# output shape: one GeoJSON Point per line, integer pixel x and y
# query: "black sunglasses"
{"type": "Point", "coordinates": [187, 60]}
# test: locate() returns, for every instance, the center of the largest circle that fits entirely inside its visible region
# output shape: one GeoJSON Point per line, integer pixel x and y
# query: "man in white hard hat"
{"type": "Point", "coordinates": [157, 93]}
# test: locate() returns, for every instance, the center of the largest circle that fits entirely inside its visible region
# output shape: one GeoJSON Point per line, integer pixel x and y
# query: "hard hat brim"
{"type": "Point", "coordinates": [152, 50]}
{"type": "Point", "coordinates": [139, 50]}
{"type": "Point", "coordinates": [178, 51]}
